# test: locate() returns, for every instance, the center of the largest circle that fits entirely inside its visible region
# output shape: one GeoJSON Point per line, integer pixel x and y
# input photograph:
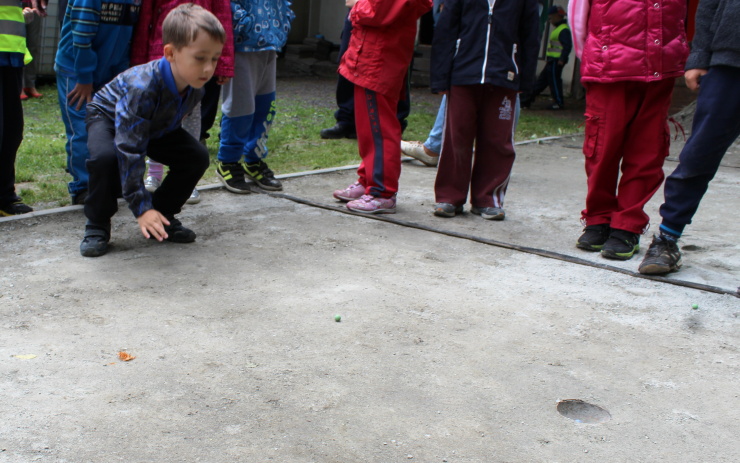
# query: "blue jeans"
{"type": "Point", "coordinates": [74, 124]}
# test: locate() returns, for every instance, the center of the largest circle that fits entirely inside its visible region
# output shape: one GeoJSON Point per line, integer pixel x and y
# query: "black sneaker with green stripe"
{"type": "Point", "coordinates": [593, 237]}
{"type": "Point", "coordinates": [262, 175]}
{"type": "Point", "coordinates": [621, 245]}
{"type": "Point", "coordinates": [232, 176]}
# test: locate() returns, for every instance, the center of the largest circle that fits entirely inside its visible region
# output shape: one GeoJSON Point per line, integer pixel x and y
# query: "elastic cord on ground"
{"type": "Point", "coordinates": [515, 247]}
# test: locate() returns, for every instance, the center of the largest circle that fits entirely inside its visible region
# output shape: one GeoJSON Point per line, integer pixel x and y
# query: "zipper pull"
{"type": "Point", "coordinates": [490, 18]}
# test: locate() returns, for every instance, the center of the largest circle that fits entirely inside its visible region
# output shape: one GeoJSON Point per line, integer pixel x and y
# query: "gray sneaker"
{"type": "Point", "coordinates": [447, 210]}
{"type": "Point", "coordinates": [194, 197]}
{"type": "Point", "coordinates": [489, 213]}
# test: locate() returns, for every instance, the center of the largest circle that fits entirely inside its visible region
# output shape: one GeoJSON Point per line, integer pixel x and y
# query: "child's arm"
{"type": "Point", "coordinates": [444, 45]}
{"type": "Point", "coordinates": [529, 45]}
{"type": "Point", "coordinates": [85, 17]}
{"type": "Point", "coordinates": [134, 112]}
{"type": "Point", "coordinates": [701, 53]}
{"type": "Point", "coordinates": [578, 11]}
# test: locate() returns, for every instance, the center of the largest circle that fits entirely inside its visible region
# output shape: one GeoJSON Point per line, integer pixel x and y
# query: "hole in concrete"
{"type": "Point", "coordinates": [583, 412]}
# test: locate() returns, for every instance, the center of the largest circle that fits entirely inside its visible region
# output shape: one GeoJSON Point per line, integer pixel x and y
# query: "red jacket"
{"type": "Point", "coordinates": [382, 43]}
{"type": "Point", "coordinates": [634, 40]}
{"type": "Point", "coordinates": [147, 43]}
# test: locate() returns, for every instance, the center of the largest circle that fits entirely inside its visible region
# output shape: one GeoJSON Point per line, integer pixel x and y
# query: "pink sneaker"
{"type": "Point", "coordinates": [352, 192]}
{"type": "Point", "coordinates": [372, 205]}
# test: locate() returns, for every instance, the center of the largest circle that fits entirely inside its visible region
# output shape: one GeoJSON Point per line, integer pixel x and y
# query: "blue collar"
{"type": "Point", "coordinates": [169, 80]}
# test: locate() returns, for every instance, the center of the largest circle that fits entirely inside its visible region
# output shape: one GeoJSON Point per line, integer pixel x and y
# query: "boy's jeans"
{"type": "Point", "coordinates": [74, 123]}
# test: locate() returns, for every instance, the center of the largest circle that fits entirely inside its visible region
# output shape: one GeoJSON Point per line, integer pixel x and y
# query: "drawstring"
{"type": "Point", "coordinates": [677, 125]}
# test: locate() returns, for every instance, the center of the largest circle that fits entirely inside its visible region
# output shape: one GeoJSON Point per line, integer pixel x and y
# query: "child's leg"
{"type": "Point", "coordinates": [494, 146]}
{"type": "Point", "coordinates": [454, 169]}
{"type": "Point", "coordinates": [74, 123]}
{"type": "Point", "coordinates": [645, 148]}
{"type": "Point", "coordinates": [434, 141]}
{"type": "Point", "coordinates": [238, 109]}
{"type": "Point", "coordinates": [606, 118]}
{"type": "Point", "coordinates": [264, 64]}
{"type": "Point", "coordinates": [11, 131]}
{"type": "Point", "coordinates": [379, 142]}
{"type": "Point", "coordinates": [105, 181]}
{"type": "Point", "coordinates": [187, 160]}
{"type": "Point", "coordinates": [716, 126]}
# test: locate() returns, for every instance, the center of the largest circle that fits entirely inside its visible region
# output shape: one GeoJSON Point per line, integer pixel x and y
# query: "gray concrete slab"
{"type": "Point", "coordinates": [448, 349]}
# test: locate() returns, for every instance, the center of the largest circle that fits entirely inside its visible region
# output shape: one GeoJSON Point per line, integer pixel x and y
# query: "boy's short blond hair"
{"type": "Point", "coordinates": [181, 26]}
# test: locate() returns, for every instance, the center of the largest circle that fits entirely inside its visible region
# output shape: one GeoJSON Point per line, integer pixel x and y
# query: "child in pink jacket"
{"type": "Point", "coordinates": [631, 52]}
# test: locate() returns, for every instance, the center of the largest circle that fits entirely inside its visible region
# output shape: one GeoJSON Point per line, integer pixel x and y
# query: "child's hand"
{"type": "Point", "coordinates": [221, 80]}
{"type": "Point", "coordinates": [82, 94]}
{"type": "Point", "coordinates": [693, 78]}
{"type": "Point", "coordinates": [350, 3]}
{"type": "Point", "coordinates": [152, 224]}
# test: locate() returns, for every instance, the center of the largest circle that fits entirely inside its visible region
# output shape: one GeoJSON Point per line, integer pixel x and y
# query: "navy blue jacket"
{"type": "Point", "coordinates": [486, 42]}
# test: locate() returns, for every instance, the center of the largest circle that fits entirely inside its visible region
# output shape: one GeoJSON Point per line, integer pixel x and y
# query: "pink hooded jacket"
{"type": "Point", "coordinates": [635, 40]}
{"type": "Point", "coordinates": [147, 45]}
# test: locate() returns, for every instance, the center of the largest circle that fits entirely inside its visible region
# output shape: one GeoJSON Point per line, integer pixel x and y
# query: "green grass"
{"type": "Point", "coordinates": [294, 144]}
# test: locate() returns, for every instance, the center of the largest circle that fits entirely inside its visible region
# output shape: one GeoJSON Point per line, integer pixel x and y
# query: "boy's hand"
{"type": "Point", "coordinates": [221, 80]}
{"type": "Point", "coordinates": [82, 94]}
{"type": "Point", "coordinates": [693, 78]}
{"type": "Point", "coordinates": [152, 224]}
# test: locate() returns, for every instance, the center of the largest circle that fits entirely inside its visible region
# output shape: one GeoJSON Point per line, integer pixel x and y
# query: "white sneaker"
{"type": "Point", "coordinates": [194, 197]}
{"type": "Point", "coordinates": [416, 150]}
{"type": "Point", "coordinates": [152, 183]}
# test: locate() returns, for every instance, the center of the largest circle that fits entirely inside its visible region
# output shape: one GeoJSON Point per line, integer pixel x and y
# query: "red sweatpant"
{"type": "Point", "coordinates": [625, 122]}
{"type": "Point", "coordinates": [482, 115]}
{"type": "Point", "coordinates": [379, 142]}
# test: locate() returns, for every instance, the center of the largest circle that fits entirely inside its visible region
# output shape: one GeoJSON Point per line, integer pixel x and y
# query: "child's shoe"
{"type": "Point", "coordinates": [593, 237]}
{"type": "Point", "coordinates": [177, 233]}
{"type": "Point", "coordinates": [31, 92]}
{"type": "Point", "coordinates": [621, 245]}
{"type": "Point", "coordinates": [232, 176]}
{"type": "Point", "coordinates": [489, 213]}
{"type": "Point", "coordinates": [262, 175]}
{"type": "Point", "coordinates": [95, 241]}
{"type": "Point", "coordinates": [372, 205]}
{"type": "Point", "coordinates": [418, 151]}
{"type": "Point", "coordinates": [15, 208]}
{"type": "Point", "coordinates": [194, 197]}
{"type": "Point", "coordinates": [151, 183]}
{"type": "Point", "coordinates": [352, 192]}
{"type": "Point", "coordinates": [447, 210]}
{"type": "Point", "coordinates": [661, 257]}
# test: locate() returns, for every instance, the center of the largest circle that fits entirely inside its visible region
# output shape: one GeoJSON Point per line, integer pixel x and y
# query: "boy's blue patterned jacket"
{"type": "Point", "coordinates": [261, 24]}
{"type": "Point", "coordinates": [144, 104]}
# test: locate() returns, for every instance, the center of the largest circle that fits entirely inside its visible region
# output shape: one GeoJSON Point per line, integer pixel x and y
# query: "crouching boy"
{"type": "Point", "coordinates": [139, 114]}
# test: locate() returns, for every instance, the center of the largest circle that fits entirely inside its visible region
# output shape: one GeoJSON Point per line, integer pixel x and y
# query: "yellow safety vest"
{"type": "Point", "coordinates": [555, 48]}
{"type": "Point", "coordinates": [13, 29]}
